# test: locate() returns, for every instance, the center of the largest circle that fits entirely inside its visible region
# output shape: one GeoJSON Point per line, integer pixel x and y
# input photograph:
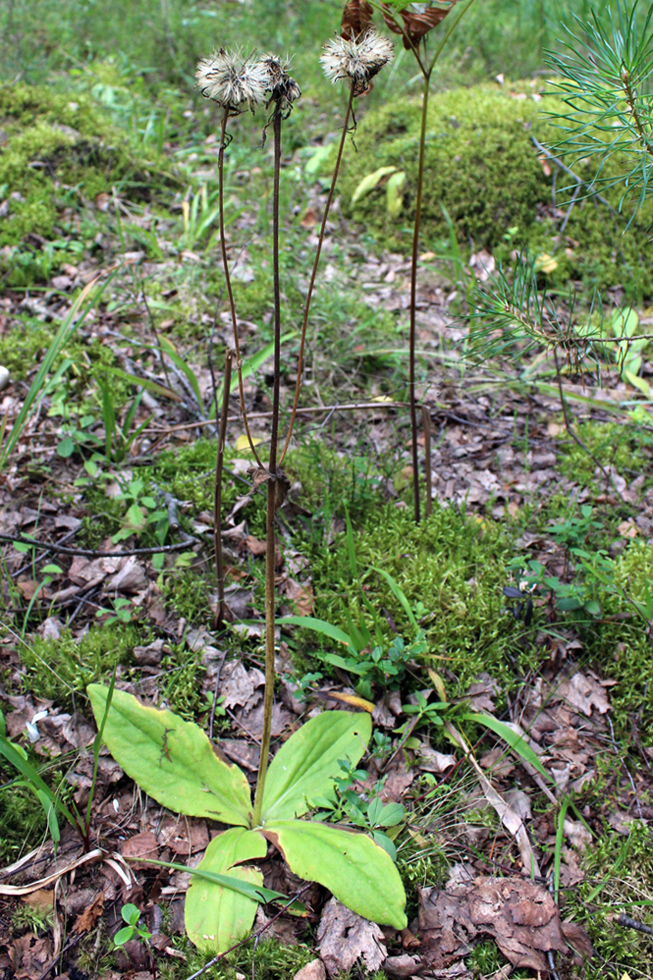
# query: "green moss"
{"type": "Point", "coordinates": [624, 447]}
{"type": "Point", "coordinates": [453, 564]}
{"type": "Point", "coordinates": [56, 153]}
{"type": "Point", "coordinates": [482, 166]}
{"type": "Point", "coordinates": [624, 869]}
{"type": "Point", "coordinates": [23, 818]}
{"type": "Point", "coordinates": [59, 669]}
{"type": "Point", "coordinates": [268, 960]}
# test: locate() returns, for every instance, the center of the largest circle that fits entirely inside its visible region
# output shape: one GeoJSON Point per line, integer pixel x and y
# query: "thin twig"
{"type": "Point", "coordinates": [221, 613]}
{"type": "Point", "coordinates": [92, 553]}
{"type": "Point", "coordinates": [625, 920]}
{"type": "Point", "coordinates": [309, 410]}
{"type": "Point", "coordinates": [227, 276]}
{"type": "Point", "coordinates": [426, 425]}
{"type": "Point", "coordinates": [570, 430]}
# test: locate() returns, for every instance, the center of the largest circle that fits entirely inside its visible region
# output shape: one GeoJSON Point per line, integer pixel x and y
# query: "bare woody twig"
{"type": "Point", "coordinates": [93, 553]}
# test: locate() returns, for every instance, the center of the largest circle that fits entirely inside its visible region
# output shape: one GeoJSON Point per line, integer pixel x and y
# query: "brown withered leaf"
{"type": "Point", "coordinates": [29, 956]}
{"type": "Point", "coordinates": [90, 915]}
{"type": "Point", "coordinates": [301, 595]}
{"type": "Point", "coordinates": [415, 25]}
{"type": "Point", "coordinates": [356, 18]}
{"type": "Point", "coordinates": [344, 937]}
{"type": "Point", "coordinates": [518, 914]}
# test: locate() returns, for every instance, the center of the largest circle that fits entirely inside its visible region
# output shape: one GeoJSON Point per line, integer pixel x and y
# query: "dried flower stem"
{"type": "Point", "coordinates": [221, 614]}
{"type": "Point", "coordinates": [311, 285]}
{"type": "Point", "coordinates": [270, 605]}
{"type": "Point", "coordinates": [413, 297]}
{"type": "Point", "coordinates": [426, 67]}
{"type": "Point", "coordinates": [227, 276]}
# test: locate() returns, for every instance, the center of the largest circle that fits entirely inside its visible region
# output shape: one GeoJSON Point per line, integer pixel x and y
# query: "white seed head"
{"type": "Point", "coordinates": [359, 60]}
{"type": "Point", "coordinates": [231, 80]}
{"type": "Point", "coordinates": [281, 86]}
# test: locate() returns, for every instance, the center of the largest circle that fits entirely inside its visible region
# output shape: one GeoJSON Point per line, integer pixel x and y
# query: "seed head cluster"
{"type": "Point", "coordinates": [282, 88]}
{"type": "Point", "coordinates": [232, 81]}
{"type": "Point", "coordinates": [236, 82]}
{"type": "Point", "coordinates": [359, 60]}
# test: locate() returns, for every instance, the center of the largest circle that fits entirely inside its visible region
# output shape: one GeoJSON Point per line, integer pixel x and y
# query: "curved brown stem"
{"type": "Point", "coordinates": [227, 276]}
{"type": "Point", "coordinates": [270, 607]}
{"type": "Point", "coordinates": [413, 298]}
{"type": "Point", "coordinates": [311, 286]}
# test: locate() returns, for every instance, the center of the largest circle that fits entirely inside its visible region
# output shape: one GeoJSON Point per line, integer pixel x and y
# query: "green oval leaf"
{"type": "Point", "coordinates": [360, 874]}
{"type": "Point", "coordinates": [394, 195]}
{"type": "Point", "coordinates": [369, 182]}
{"type": "Point", "coordinates": [306, 765]}
{"type": "Point", "coordinates": [217, 917]}
{"type": "Point", "coordinates": [172, 759]}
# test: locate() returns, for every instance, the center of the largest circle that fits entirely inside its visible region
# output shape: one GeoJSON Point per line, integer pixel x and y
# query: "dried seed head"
{"type": "Point", "coordinates": [231, 80]}
{"type": "Point", "coordinates": [281, 86]}
{"type": "Point", "coordinates": [359, 60]}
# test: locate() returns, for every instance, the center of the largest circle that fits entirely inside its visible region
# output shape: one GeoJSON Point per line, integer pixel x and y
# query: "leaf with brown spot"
{"type": "Point", "coordinates": [415, 25]}
{"type": "Point", "coordinates": [356, 18]}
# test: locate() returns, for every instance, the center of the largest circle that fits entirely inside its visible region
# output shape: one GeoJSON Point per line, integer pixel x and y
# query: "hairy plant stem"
{"type": "Point", "coordinates": [311, 285]}
{"type": "Point", "coordinates": [227, 277]}
{"type": "Point", "coordinates": [413, 295]}
{"type": "Point", "coordinates": [273, 474]}
{"type": "Point", "coordinates": [221, 614]}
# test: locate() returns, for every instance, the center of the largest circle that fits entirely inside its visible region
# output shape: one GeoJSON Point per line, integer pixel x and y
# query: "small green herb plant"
{"type": "Point", "coordinates": [173, 760]}
{"type": "Point", "coordinates": [176, 764]}
{"type": "Point", "coordinates": [131, 915]}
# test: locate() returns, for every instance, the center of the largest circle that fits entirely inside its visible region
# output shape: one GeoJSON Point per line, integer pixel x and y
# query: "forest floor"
{"type": "Point", "coordinates": [528, 584]}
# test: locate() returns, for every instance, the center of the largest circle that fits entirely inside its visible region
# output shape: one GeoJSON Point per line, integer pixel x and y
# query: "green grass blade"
{"type": "Point", "coordinates": [557, 853]}
{"type": "Point", "coordinates": [185, 369]}
{"type": "Point", "coordinates": [516, 742]}
{"type": "Point", "coordinates": [400, 595]}
{"type": "Point", "coordinates": [82, 304]}
{"type": "Point", "coordinates": [256, 892]}
{"type": "Point", "coordinates": [318, 626]}
{"type": "Point", "coordinates": [26, 769]}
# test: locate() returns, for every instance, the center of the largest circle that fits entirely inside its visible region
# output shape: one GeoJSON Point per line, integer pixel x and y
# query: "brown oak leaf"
{"type": "Point", "coordinates": [415, 25]}
{"type": "Point", "coordinates": [356, 18]}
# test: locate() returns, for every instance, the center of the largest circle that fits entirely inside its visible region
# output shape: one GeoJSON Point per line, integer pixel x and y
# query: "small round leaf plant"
{"type": "Point", "coordinates": [173, 760]}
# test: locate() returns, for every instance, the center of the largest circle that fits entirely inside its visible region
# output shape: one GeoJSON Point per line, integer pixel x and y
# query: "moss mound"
{"type": "Point", "coordinates": [482, 166]}
{"type": "Point", "coordinates": [454, 565]}
{"type": "Point", "coordinates": [56, 154]}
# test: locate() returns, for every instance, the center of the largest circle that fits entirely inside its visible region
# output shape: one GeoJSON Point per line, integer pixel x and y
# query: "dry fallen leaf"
{"type": "Point", "coordinates": [90, 915]}
{"type": "Point", "coordinates": [141, 846]}
{"type": "Point", "coordinates": [312, 971]}
{"type": "Point", "coordinates": [584, 693]}
{"type": "Point", "coordinates": [344, 937]}
{"type": "Point", "coordinates": [43, 899]}
{"type": "Point", "coordinates": [29, 956]}
{"type": "Point", "coordinates": [518, 914]}
{"type": "Point", "coordinates": [301, 595]}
